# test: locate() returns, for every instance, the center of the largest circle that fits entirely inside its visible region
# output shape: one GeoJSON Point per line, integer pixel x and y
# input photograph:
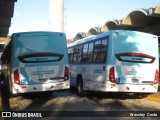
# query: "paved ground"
{"type": "Point", "coordinates": [154, 97]}
{"type": "Point", "coordinates": [69, 101]}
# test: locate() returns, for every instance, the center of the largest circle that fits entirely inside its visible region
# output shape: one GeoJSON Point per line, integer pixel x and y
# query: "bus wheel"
{"type": "Point", "coordinates": [80, 88]}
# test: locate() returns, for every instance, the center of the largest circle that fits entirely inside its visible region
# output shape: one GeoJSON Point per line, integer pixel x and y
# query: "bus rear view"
{"type": "Point", "coordinates": [133, 62]}
{"type": "Point", "coordinates": [39, 62]}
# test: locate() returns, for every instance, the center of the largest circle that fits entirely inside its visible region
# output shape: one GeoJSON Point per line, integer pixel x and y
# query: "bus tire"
{"type": "Point", "coordinates": [80, 90]}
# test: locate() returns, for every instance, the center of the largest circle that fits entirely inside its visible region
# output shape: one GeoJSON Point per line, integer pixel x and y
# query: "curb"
{"type": "Point", "coordinates": [151, 98]}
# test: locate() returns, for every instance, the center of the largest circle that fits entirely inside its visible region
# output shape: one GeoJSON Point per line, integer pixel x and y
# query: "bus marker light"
{"type": "Point", "coordinates": [113, 85]}
{"type": "Point", "coordinates": [155, 86]}
{"type": "Point", "coordinates": [116, 33]}
{"type": "Point", "coordinates": [24, 86]}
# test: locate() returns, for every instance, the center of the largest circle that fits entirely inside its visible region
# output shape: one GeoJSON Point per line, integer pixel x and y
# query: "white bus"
{"type": "Point", "coordinates": [115, 61]}
{"type": "Point", "coordinates": [36, 62]}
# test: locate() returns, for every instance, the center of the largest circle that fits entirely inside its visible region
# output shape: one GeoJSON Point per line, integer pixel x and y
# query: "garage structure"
{"type": "Point", "coordinates": [6, 14]}
{"type": "Point", "coordinates": [144, 20]}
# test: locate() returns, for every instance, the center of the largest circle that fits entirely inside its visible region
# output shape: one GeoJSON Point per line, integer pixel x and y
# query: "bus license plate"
{"type": "Point", "coordinates": [135, 80]}
{"type": "Point", "coordinates": [43, 78]}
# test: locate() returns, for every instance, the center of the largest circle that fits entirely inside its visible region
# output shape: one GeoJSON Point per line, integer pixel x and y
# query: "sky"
{"type": "Point", "coordinates": [79, 15]}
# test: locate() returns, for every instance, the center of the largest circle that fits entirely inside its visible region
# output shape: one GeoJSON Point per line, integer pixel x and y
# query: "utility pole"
{"type": "Point", "coordinates": [57, 15]}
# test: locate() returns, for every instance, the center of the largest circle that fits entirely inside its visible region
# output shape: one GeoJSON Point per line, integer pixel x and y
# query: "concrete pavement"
{"type": "Point", "coordinates": [154, 97]}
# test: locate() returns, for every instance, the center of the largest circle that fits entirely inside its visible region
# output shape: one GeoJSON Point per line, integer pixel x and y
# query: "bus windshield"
{"type": "Point", "coordinates": [40, 43]}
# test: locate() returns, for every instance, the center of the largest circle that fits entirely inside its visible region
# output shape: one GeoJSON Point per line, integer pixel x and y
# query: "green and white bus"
{"type": "Point", "coordinates": [36, 62]}
{"type": "Point", "coordinates": [115, 61]}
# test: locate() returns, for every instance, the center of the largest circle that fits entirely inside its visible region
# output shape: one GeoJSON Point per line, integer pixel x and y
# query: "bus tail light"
{"type": "Point", "coordinates": [112, 75]}
{"type": "Point", "coordinates": [16, 77]}
{"type": "Point", "coordinates": [156, 77]}
{"type": "Point", "coordinates": [66, 73]}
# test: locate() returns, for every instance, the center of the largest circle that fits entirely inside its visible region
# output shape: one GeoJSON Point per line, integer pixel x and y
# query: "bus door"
{"type": "Point", "coordinates": [98, 67]}
{"type": "Point", "coordinates": [85, 68]}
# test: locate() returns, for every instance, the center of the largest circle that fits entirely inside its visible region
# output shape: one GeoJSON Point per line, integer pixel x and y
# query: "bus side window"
{"type": "Point", "coordinates": [70, 54]}
{"type": "Point", "coordinates": [75, 58]}
{"type": "Point", "coordinates": [103, 51]}
{"type": "Point", "coordinates": [84, 55]}
{"type": "Point", "coordinates": [90, 52]}
{"type": "Point", "coordinates": [97, 48]}
{"type": "Point", "coordinates": [79, 53]}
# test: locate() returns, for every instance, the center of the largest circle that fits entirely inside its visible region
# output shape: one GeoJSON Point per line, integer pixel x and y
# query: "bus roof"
{"type": "Point", "coordinates": [38, 33]}
{"type": "Point", "coordinates": [29, 33]}
{"type": "Point", "coordinates": [90, 38]}
{"type": "Point", "coordinates": [94, 37]}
